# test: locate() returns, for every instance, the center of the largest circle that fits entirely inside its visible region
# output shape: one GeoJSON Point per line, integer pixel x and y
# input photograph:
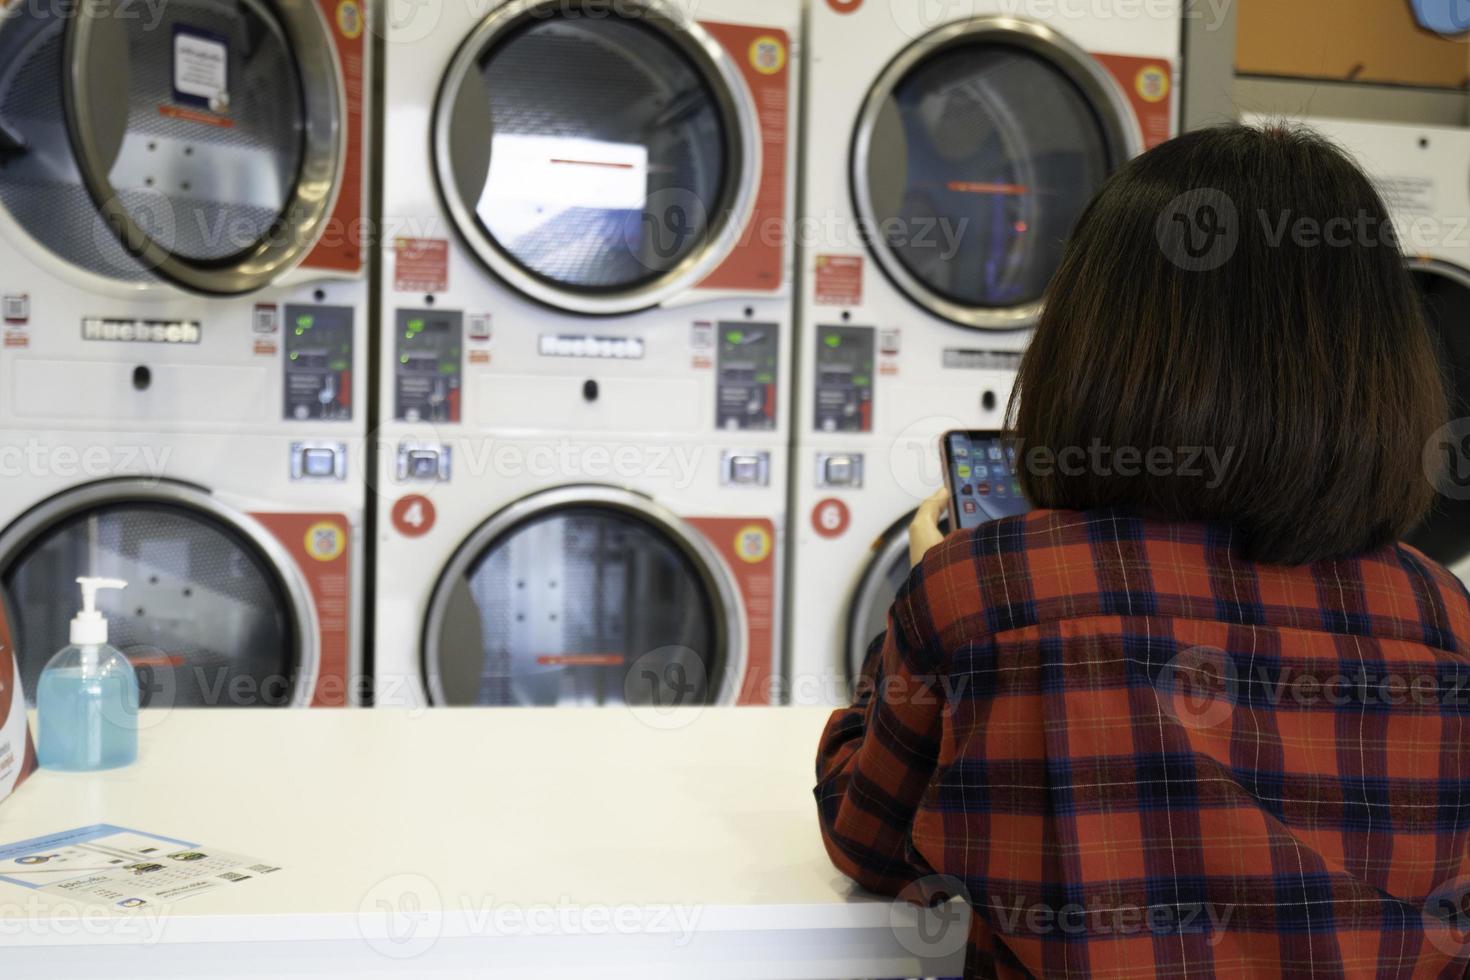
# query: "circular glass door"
{"type": "Point", "coordinates": [581, 600]}
{"type": "Point", "coordinates": [208, 618]}
{"type": "Point", "coordinates": [1445, 292]}
{"type": "Point", "coordinates": [199, 144]}
{"type": "Point", "coordinates": [976, 153]}
{"type": "Point", "coordinates": [595, 163]}
{"type": "Point", "coordinates": [868, 616]}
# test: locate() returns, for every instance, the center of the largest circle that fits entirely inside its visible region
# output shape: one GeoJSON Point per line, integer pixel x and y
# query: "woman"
{"type": "Point", "coordinates": [1189, 718]}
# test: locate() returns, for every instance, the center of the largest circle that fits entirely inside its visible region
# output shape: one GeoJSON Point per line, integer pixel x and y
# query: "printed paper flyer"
{"type": "Point", "coordinates": [121, 868]}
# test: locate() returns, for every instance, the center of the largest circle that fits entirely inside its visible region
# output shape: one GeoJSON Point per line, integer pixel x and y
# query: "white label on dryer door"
{"type": "Point", "coordinates": [534, 178]}
{"type": "Point", "coordinates": [201, 69]}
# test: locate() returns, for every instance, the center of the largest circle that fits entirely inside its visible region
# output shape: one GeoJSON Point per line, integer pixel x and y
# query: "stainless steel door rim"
{"type": "Point", "coordinates": [742, 158]}
{"type": "Point", "coordinates": [304, 217]}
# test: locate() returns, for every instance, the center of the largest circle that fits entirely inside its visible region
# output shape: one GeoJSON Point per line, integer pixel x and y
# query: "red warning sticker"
{"type": "Point", "coordinates": [414, 516]}
{"type": "Point", "coordinates": [1148, 84]}
{"type": "Point", "coordinates": [581, 660]}
{"type": "Point", "coordinates": [831, 518]}
{"type": "Point", "coordinates": [421, 265]}
{"type": "Point", "coordinates": [839, 280]}
{"type": "Point", "coordinates": [190, 115]}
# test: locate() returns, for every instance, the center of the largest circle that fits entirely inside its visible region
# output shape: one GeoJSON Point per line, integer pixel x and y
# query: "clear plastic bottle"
{"type": "Point", "coordinates": [87, 701]}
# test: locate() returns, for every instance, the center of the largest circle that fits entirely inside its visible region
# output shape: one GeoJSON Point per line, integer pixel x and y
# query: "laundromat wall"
{"type": "Point", "coordinates": [550, 353]}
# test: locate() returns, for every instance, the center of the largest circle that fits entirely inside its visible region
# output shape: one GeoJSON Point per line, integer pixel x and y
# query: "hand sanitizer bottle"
{"type": "Point", "coordinates": [87, 701]}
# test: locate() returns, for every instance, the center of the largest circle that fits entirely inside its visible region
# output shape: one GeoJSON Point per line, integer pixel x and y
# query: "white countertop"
{"type": "Point", "coordinates": [459, 843]}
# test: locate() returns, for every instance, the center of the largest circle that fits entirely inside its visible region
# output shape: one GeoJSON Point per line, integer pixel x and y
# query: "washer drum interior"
{"type": "Point", "coordinates": [976, 152]}
{"type": "Point", "coordinates": [584, 596]}
{"type": "Point", "coordinates": [1445, 290]}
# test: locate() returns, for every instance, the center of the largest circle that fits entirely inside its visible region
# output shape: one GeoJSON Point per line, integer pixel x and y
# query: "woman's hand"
{"type": "Point", "coordinates": [924, 532]}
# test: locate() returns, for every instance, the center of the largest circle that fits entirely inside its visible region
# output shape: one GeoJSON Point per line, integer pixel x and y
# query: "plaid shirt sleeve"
{"type": "Point", "coordinates": [877, 757]}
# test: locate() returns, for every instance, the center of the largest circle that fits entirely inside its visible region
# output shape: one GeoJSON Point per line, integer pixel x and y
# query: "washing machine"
{"type": "Point", "coordinates": [948, 154]}
{"type": "Point", "coordinates": [1423, 175]}
{"type": "Point", "coordinates": [184, 300]}
{"type": "Point", "coordinates": [587, 351]}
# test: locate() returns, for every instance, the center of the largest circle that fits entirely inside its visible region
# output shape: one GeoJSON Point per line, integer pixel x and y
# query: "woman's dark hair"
{"type": "Point", "coordinates": [1236, 290]}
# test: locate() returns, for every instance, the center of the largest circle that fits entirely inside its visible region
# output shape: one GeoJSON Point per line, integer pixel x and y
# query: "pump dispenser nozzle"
{"type": "Point", "coordinates": [89, 628]}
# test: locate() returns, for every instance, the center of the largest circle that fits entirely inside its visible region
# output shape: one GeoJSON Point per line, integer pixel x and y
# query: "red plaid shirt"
{"type": "Point", "coordinates": [1135, 753]}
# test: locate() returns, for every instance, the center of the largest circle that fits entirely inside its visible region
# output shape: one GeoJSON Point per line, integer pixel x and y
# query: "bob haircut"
{"type": "Point", "coordinates": [1240, 291]}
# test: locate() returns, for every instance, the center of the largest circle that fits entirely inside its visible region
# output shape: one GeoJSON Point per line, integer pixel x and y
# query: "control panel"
{"type": "Point", "coordinates": [749, 355]}
{"type": "Point", "coordinates": [318, 363]}
{"type": "Point", "coordinates": [429, 365]}
{"type": "Point", "coordinates": [844, 387]}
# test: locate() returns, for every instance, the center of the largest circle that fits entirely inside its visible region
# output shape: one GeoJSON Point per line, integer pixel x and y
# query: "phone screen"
{"type": "Point", "coordinates": [982, 478]}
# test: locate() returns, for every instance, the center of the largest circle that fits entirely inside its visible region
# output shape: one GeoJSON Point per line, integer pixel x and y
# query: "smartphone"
{"type": "Point", "coordinates": [980, 474]}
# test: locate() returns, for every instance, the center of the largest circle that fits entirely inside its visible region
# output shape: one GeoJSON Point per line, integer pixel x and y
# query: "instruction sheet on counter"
{"type": "Point", "coordinates": [121, 868]}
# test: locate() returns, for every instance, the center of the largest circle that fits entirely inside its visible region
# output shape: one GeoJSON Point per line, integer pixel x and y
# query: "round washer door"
{"type": "Point", "coordinates": [584, 596]}
{"type": "Point", "coordinates": [200, 144]}
{"type": "Point", "coordinates": [597, 160]}
{"type": "Point", "coordinates": [213, 615]}
{"type": "Point", "coordinates": [867, 617]}
{"type": "Point", "coordinates": [1445, 291]}
{"type": "Point", "coordinates": [978, 149]}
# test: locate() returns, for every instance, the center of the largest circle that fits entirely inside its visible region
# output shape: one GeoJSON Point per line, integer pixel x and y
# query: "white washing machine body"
{"type": "Point", "coordinates": [183, 300]}
{"type": "Point", "coordinates": [1423, 176]}
{"type": "Point", "coordinates": [946, 160]}
{"type": "Point", "coordinates": [586, 249]}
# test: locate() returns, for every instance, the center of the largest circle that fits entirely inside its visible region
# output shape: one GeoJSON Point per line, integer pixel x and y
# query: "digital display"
{"type": "Point", "coordinates": [746, 382]}
{"type": "Point", "coordinates": [428, 369]}
{"type": "Point", "coordinates": [844, 385]}
{"type": "Point", "coordinates": [982, 479]}
{"type": "Point", "coordinates": [318, 363]}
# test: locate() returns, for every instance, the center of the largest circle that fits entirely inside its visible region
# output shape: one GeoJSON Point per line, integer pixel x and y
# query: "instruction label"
{"type": "Point", "coordinates": [201, 69]}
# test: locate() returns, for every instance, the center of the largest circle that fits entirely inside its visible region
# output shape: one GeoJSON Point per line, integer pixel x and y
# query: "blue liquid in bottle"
{"type": "Point", "coordinates": [87, 710]}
